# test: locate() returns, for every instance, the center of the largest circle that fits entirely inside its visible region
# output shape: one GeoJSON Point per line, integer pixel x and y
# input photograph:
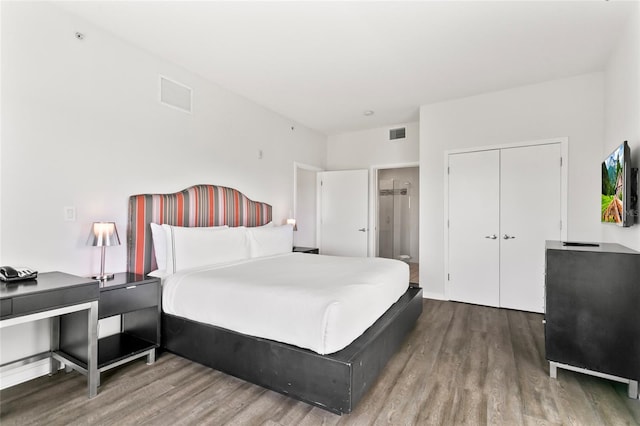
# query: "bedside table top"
{"type": "Point", "coordinates": [125, 279]}
{"type": "Point", "coordinates": [297, 249]}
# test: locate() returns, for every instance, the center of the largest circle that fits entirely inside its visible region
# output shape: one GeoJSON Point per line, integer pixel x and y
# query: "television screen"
{"type": "Point", "coordinates": [615, 185]}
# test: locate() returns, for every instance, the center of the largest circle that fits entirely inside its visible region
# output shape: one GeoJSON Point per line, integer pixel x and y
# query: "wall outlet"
{"type": "Point", "coordinates": [70, 214]}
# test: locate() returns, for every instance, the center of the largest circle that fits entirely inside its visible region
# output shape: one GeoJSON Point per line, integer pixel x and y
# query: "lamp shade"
{"type": "Point", "coordinates": [103, 234]}
{"type": "Point", "coordinates": [293, 223]}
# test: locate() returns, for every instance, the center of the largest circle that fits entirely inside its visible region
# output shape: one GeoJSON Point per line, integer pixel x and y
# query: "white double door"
{"type": "Point", "coordinates": [503, 205]}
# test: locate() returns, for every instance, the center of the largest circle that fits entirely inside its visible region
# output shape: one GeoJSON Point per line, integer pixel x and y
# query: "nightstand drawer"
{"type": "Point", "coordinates": [127, 299]}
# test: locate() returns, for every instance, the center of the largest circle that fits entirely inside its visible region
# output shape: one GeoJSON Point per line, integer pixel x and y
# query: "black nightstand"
{"type": "Point", "coordinates": [136, 299]}
{"type": "Point", "coordinates": [310, 250]}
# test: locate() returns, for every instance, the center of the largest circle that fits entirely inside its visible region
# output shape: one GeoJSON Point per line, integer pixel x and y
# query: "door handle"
{"type": "Point", "coordinates": [362, 229]}
{"type": "Point", "coordinates": [508, 237]}
{"type": "Point", "coordinates": [491, 237]}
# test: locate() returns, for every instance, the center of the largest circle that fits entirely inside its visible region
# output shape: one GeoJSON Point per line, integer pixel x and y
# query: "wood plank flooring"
{"type": "Point", "coordinates": [463, 364]}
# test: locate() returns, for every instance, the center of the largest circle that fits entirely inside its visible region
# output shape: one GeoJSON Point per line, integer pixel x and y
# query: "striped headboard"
{"type": "Point", "coordinates": [199, 205]}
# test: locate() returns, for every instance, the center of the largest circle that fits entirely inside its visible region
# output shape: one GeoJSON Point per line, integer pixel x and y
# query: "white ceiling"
{"type": "Point", "coordinates": [324, 63]}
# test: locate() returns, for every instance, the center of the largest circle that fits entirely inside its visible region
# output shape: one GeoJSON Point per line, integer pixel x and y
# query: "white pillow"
{"type": "Point", "coordinates": [159, 237]}
{"type": "Point", "coordinates": [159, 274]}
{"type": "Point", "coordinates": [271, 240]}
{"type": "Point", "coordinates": [159, 245]}
{"type": "Point", "coordinates": [192, 247]}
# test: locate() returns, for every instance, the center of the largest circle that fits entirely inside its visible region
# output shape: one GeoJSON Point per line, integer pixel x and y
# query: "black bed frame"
{"type": "Point", "coordinates": [335, 382]}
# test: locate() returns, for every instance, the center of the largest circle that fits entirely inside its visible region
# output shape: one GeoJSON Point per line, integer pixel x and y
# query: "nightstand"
{"type": "Point", "coordinates": [310, 250]}
{"type": "Point", "coordinates": [136, 299]}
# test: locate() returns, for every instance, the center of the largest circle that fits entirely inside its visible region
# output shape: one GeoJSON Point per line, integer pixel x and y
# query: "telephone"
{"type": "Point", "coordinates": [9, 274]}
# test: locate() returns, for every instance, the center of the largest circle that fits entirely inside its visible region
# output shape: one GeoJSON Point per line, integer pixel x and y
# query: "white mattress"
{"type": "Point", "coordinates": [322, 303]}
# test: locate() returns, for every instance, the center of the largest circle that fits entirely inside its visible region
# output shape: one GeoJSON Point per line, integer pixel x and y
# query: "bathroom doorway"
{"type": "Point", "coordinates": [398, 216]}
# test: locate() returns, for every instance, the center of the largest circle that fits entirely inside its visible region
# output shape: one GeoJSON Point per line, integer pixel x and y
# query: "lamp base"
{"type": "Point", "coordinates": [103, 277]}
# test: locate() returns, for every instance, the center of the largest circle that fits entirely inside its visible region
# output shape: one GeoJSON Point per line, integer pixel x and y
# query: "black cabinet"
{"type": "Point", "coordinates": [592, 310]}
{"type": "Point", "coordinates": [137, 300]}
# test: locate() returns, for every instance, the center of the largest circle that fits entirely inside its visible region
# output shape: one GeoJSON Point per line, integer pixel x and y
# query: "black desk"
{"type": "Point", "coordinates": [51, 295]}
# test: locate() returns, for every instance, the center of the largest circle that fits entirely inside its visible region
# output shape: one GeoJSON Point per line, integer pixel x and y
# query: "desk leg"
{"type": "Point", "coordinates": [151, 357]}
{"type": "Point", "coordinates": [54, 345]}
{"type": "Point", "coordinates": [93, 375]}
{"type": "Point", "coordinates": [633, 389]}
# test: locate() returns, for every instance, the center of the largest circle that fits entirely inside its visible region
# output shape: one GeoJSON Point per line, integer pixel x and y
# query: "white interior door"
{"type": "Point", "coordinates": [474, 227]}
{"type": "Point", "coordinates": [530, 213]}
{"type": "Point", "coordinates": [344, 212]}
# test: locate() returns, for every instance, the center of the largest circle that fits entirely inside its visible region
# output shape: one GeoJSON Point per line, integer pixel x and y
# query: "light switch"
{"type": "Point", "coordinates": [70, 214]}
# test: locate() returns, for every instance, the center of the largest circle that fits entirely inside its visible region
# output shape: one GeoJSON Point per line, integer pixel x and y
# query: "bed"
{"type": "Point", "coordinates": [332, 371]}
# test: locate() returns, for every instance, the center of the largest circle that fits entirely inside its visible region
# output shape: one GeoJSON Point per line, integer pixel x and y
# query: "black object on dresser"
{"type": "Point", "coordinates": [592, 311]}
{"type": "Point", "coordinates": [310, 250]}
{"type": "Point", "coordinates": [136, 299]}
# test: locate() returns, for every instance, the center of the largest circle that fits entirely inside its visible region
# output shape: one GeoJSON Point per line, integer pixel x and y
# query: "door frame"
{"type": "Point", "coordinates": [373, 201]}
{"type": "Point", "coordinates": [564, 180]}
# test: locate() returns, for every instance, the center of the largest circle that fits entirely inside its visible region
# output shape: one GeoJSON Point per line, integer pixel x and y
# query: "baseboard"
{"type": "Point", "coordinates": [433, 295]}
{"type": "Point", "coordinates": [14, 375]}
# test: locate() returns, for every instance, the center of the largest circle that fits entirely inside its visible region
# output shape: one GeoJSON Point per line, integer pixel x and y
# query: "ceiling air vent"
{"type": "Point", "coordinates": [175, 94]}
{"type": "Point", "coordinates": [399, 133]}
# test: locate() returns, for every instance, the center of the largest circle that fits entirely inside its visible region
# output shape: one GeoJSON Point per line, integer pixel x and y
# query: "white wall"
{"type": "Point", "coordinates": [82, 127]}
{"type": "Point", "coordinates": [366, 148]}
{"type": "Point", "coordinates": [570, 107]}
{"type": "Point", "coordinates": [622, 114]}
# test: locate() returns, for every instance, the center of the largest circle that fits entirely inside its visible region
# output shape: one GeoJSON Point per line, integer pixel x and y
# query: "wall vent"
{"type": "Point", "coordinates": [175, 95]}
{"type": "Point", "coordinates": [399, 133]}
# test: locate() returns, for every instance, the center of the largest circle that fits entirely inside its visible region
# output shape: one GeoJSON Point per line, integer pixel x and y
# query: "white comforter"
{"type": "Point", "coordinates": [322, 303]}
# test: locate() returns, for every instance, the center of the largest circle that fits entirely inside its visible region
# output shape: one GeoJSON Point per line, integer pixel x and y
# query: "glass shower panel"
{"type": "Point", "coordinates": [394, 225]}
{"type": "Point", "coordinates": [385, 218]}
{"type": "Point", "coordinates": [402, 231]}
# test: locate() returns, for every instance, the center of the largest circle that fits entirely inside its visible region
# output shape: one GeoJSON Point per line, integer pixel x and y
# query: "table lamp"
{"type": "Point", "coordinates": [103, 234]}
{"type": "Point", "coordinates": [293, 223]}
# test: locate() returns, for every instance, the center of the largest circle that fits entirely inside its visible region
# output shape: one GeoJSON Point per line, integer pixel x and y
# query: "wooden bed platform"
{"type": "Point", "coordinates": [335, 382]}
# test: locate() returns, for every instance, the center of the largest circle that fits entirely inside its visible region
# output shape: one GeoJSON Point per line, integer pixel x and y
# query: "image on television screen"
{"type": "Point", "coordinates": [613, 187]}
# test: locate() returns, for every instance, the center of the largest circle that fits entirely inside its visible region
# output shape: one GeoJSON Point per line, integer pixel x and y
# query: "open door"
{"type": "Point", "coordinates": [344, 212]}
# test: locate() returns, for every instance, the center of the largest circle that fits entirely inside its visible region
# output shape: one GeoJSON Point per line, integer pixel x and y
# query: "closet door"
{"type": "Point", "coordinates": [530, 213]}
{"type": "Point", "coordinates": [474, 227]}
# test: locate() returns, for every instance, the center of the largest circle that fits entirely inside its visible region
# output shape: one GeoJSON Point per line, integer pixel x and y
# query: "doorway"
{"type": "Point", "coordinates": [398, 192]}
{"type": "Point", "coordinates": [305, 195]}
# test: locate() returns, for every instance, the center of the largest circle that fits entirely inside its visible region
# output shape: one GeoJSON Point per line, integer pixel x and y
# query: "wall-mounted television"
{"type": "Point", "coordinates": [618, 187]}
